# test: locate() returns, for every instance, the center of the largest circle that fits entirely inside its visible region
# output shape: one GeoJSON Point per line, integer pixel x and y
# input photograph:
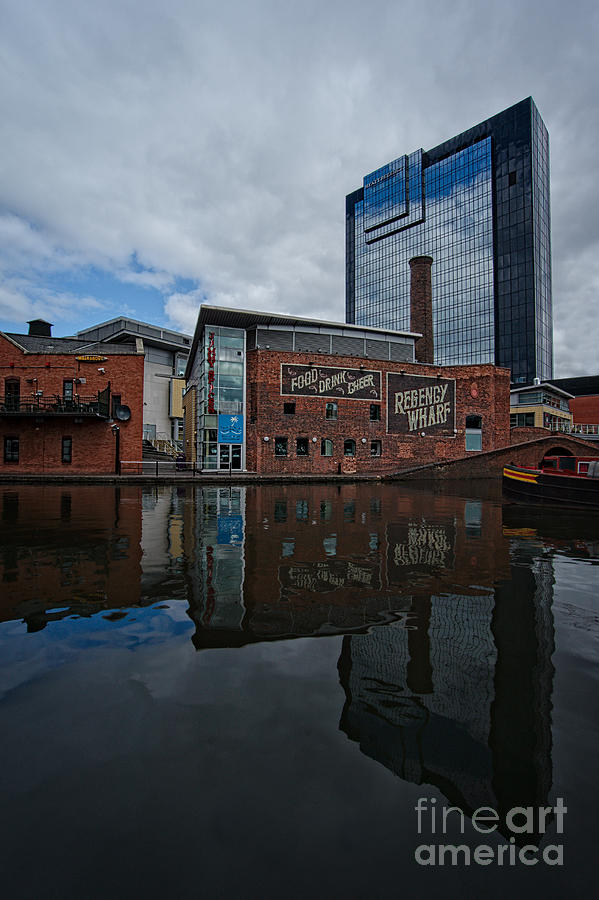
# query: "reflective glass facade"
{"type": "Point", "coordinates": [479, 205]}
{"type": "Point", "coordinates": [220, 379]}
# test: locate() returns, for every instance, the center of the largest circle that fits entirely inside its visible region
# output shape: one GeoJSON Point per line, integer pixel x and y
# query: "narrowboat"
{"type": "Point", "coordinates": [562, 480]}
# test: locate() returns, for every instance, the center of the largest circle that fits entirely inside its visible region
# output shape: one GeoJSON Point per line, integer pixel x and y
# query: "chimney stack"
{"type": "Point", "coordinates": [421, 307]}
{"type": "Point", "coordinates": [40, 328]}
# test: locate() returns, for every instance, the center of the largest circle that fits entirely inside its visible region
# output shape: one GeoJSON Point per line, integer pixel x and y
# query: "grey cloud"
{"type": "Point", "coordinates": [217, 143]}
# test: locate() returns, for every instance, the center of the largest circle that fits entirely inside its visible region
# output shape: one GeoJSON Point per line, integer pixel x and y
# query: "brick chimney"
{"type": "Point", "coordinates": [40, 328]}
{"type": "Point", "coordinates": [421, 307]}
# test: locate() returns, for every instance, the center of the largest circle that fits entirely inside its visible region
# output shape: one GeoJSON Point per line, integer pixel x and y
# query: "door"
{"type": "Point", "coordinates": [224, 456]}
{"type": "Point", "coordinates": [229, 457]}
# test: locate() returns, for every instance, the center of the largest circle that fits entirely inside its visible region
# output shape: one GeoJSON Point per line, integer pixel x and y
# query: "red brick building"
{"type": "Point", "coordinates": [419, 414]}
{"type": "Point", "coordinates": [278, 394]}
{"type": "Point", "coordinates": [68, 406]}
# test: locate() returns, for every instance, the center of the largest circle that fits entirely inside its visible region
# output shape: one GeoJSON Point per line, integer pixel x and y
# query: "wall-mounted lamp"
{"type": "Point", "coordinates": [266, 439]}
{"type": "Point", "coordinates": [423, 433]}
{"type": "Point", "coordinates": [363, 440]}
{"type": "Point", "coordinates": [102, 370]}
{"type": "Point", "coordinates": [314, 440]}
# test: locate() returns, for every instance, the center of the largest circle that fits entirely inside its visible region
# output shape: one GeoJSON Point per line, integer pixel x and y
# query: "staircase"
{"type": "Point", "coordinates": [151, 454]}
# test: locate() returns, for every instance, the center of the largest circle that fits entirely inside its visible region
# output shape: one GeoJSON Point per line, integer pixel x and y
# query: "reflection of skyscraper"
{"type": "Point", "coordinates": [478, 725]}
{"type": "Point", "coordinates": [479, 205]}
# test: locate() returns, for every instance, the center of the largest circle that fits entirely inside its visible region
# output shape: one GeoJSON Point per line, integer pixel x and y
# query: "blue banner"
{"type": "Point", "coordinates": [230, 429]}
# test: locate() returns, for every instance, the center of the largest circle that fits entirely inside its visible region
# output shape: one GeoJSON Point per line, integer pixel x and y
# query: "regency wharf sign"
{"type": "Point", "coordinates": [417, 403]}
{"type": "Point", "coordinates": [328, 381]}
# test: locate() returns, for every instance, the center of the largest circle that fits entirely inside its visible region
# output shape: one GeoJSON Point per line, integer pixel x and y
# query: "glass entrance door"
{"type": "Point", "coordinates": [229, 457]}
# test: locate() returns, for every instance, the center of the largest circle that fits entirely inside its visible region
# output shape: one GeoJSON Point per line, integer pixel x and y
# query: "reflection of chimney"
{"type": "Point", "coordinates": [40, 328]}
{"type": "Point", "coordinates": [421, 307]}
{"type": "Point", "coordinates": [419, 673]}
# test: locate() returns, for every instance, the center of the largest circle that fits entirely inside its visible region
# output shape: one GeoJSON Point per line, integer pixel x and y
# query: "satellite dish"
{"type": "Point", "coordinates": [123, 413]}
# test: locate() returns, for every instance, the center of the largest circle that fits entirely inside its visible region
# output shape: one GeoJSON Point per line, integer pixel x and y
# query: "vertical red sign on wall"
{"type": "Point", "coordinates": [211, 361]}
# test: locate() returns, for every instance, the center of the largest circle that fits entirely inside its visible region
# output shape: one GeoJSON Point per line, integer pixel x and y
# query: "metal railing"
{"type": "Point", "coordinates": [39, 405]}
{"type": "Point", "coordinates": [165, 444]}
{"type": "Point", "coordinates": [159, 467]}
{"type": "Point", "coordinates": [568, 428]}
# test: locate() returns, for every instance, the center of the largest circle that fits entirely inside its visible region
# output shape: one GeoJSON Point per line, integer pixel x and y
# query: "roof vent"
{"type": "Point", "coordinates": [536, 380]}
{"type": "Point", "coordinates": [40, 328]}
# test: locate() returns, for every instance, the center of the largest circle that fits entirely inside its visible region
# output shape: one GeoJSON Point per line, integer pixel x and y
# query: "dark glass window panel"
{"type": "Point", "coordinates": [302, 446]}
{"type": "Point", "coordinates": [11, 449]}
{"type": "Point", "coordinates": [67, 449]}
{"type": "Point", "coordinates": [280, 514]}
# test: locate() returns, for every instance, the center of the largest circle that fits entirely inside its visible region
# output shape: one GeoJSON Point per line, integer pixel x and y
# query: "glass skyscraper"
{"type": "Point", "coordinates": [479, 205]}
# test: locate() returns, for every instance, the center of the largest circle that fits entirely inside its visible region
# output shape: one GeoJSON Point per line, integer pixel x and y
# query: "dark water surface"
{"type": "Point", "coordinates": [245, 692]}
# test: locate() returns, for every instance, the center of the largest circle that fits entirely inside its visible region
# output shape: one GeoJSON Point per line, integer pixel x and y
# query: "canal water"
{"type": "Point", "coordinates": [306, 691]}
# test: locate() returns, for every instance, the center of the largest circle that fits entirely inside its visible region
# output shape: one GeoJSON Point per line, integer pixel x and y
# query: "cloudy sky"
{"type": "Point", "coordinates": [158, 154]}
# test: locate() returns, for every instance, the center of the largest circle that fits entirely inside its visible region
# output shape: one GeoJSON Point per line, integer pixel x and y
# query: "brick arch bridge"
{"type": "Point", "coordinates": [491, 462]}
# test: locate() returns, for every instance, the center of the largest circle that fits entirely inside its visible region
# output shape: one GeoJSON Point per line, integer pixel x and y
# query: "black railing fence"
{"type": "Point", "coordinates": [38, 405]}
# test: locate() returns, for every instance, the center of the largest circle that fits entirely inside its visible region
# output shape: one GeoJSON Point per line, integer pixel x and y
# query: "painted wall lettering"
{"type": "Point", "coordinates": [327, 381]}
{"type": "Point", "coordinates": [417, 403]}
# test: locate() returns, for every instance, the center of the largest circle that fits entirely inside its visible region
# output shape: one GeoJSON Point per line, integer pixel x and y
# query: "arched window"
{"type": "Point", "coordinates": [474, 433]}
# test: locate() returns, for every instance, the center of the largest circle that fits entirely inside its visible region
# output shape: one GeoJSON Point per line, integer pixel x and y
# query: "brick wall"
{"type": "Point", "coordinates": [519, 435]}
{"type": "Point", "coordinates": [585, 410]}
{"type": "Point", "coordinates": [480, 390]}
{"type": "Point", "coordinates": [40, 437]}
{"type": "Point", "coordinates": [529, 454]}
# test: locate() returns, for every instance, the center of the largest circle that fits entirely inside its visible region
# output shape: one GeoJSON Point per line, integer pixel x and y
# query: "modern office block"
{"type": "Point", "coordinates": [478, 204]}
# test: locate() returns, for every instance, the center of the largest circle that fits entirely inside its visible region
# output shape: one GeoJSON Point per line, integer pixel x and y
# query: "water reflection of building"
{"type": "Point", "coordinates": [214, 533]}
{"type": "Point", "coordinates": [68, 551]}
{"type": "Point", "coordinates": [323, 560]}
{"type": "Point", "coordinates": [463, 702]}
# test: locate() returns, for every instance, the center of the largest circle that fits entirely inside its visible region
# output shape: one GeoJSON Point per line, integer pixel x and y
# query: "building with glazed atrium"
{"type": "Point", "coordinates": [277, 394]}
{"type": "Point", "coordinates": [478, 204]}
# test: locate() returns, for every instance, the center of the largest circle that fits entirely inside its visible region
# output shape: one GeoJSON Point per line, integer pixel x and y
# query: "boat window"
{"type": "Point", "coordinates": [567, 464]}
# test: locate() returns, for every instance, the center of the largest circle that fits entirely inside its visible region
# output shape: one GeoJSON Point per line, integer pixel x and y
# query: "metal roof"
{"type": "Point", "coordinates": [124, 328]}
{"type": "Point", "coordinates": [227, 317]}
{"type": "Point", "coordinates": [536, 387]}
{"type": "Point", "coordinates": [245, 318]}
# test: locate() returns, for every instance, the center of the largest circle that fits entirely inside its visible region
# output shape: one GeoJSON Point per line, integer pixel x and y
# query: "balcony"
{"type": "Point", "coordinates": [582, 430]}
{"type": "Point", "coordinates": [84, 407]}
